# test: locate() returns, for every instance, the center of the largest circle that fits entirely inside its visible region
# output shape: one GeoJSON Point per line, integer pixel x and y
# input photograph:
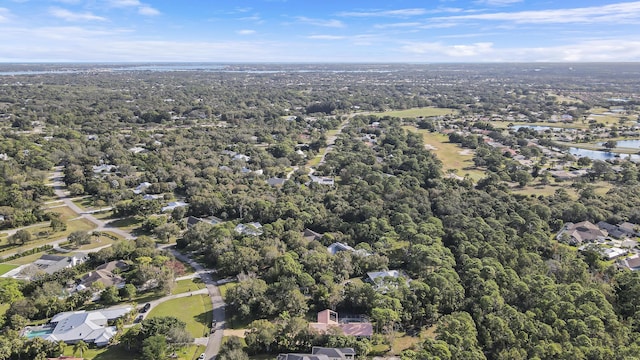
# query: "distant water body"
{"type": "Point", "coordinates": [180, 67]}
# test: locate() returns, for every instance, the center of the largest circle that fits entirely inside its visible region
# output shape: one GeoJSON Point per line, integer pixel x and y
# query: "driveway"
{"type": "Point", "coordinates": [215, 339]}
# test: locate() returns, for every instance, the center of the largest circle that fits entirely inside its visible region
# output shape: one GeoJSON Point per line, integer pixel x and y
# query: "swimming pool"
{"type": "Point", "coordinates": [38, 333]}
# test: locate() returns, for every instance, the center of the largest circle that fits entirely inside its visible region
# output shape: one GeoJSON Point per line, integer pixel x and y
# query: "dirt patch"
{"type": "Point", "coordinates": [466, 152]}
{"type": "Point", "coordinates": [430, 147]}
{"type": "Point", "coordinates": [238, 333]}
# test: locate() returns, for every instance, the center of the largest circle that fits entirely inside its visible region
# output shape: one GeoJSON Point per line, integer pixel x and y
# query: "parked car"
{"type": "Point", "coordinates": [146, 307]}
{"type": "Point", "coordinates": [138, 319]}
{"type": "Point", "coordinates": [202, 356]}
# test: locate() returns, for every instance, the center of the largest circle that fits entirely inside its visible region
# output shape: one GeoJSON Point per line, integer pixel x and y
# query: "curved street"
{"type": "Point", "coordinates": [215, 338]}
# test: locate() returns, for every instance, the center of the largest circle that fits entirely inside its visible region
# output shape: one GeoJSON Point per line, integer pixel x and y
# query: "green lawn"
{"type": "Point", "coordinates": [187, 285]}
{"type": "Point", "coordinates": [115, 352]}
{"type": "Point", "coordinates": [225, 287]}
{"type": "Point", "coordinates": [25, 259]}
{"type": "Point", "coordinates": [417, 112]}
{"type": "Point", "coordinates": [129, 223]}
{"type": "Point", "coordinates": [561, 98]}
{"type": "Point", "coordinates": [65, 212]}
{"type": "Point", "coordinates": [4, 268]}
{"type": "Point", "coordinates": [195, 311]}
{"type": "Point", "coordinates": [4, 308]}
{"type": "Point", "coordinates": [453, 157]}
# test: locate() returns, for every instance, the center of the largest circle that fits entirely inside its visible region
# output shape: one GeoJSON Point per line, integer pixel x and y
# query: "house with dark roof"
{"type": "Point", "coordinates": [311, 235]}
{"type": "Point", "coordinates": [274, 181]}
{"type": "Point", "coordinates": [49, 264]}
{"type": "Point", "coordinates": [322, 353]}
{"type": "Point", "coordinates": [328, 319]}
{"type": "Point", "coordinates": [630, 229]}
{"type": "Point", "coordinates": [611, 229]}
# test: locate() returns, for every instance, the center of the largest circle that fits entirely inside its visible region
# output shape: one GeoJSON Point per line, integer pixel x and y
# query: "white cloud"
{"type": "Point", "coordinates": [143, 9]}
{"type": "Point", "coordinates": [148, 11]}
{"type": "Point", "coordinates": [384, 13]}
{"type": "Point", "coordinates": [4, 14]}
{"type": "Point", "coordinates": [454, 51]}
{"type": "Point", "coordinates": [594, 50]}
{"type": "Point", "coordinates": [498, 2]}
{"type": "Point", "coordinates": [73, 16]}
{"type": "Point", "coordinates": [246, 32]}
{"type": "Point", "coordinates": [606, 14]}
{"type": "Point", "coordinates": [397, 25]}
{"type": "Point", "coordinates": [325, 37]}
{"type": "Point", "coordinates": [124, 3]}
{"type": "Point", "coordinates": [320, 22]}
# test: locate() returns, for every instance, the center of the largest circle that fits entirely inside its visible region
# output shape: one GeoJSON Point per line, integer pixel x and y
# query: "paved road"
{"type": "Point", "coordinates": [215, 339]}
{"type": "Point", "coordinates": [59, 189]}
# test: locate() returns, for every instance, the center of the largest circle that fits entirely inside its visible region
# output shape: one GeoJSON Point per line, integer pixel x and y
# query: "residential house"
{"type": "Point", "coordinates": [576, 234]}
{"type": "Point", "coordinates": [49, 264]}
{"type": "Point", "coordinates": [311, 235]}
{"type": "Point", "coordinates": [172, 205]}
{"type": "Point", "coordinates": [379, 278]}
{"type": "Point", "coordinates": [612, 230]}
{"type": "Point", "coordinates": [104, 274]}
{"type": "Point", "coordinates": [338, 246]}
{"type": "Point", "coordinates": [103, 168]}
{"type": "Point", "coordinates": [630, 229]}
{"type": "Point", "coordinates": [322, 353]}
{"type": "Point", "coordinates": [632, 262]}
{"type": "Point", "coordinates": [212, 220]}
{"type": "Point", "coordinates": [141, 187]}
{"type": "Point", "coordinates": [89, 326]}
{"type": "Point", "coordinates": [613, 253]}
{"type": "Point", "coordinates": [322, 180]}
{"type": "Point", "coordinates": [328, 319]}
{"type": "Point", "coordinates": [253, 229]}
{"type": "Point", "coordinates": [274, 181]}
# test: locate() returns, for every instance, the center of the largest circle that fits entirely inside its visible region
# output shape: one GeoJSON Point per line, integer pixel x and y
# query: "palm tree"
{"type": "Point", "coordinates": [80, 346]}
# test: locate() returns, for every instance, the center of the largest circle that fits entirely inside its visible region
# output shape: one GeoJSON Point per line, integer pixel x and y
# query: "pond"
{"type": "Point", "coordinates": [602, 155]}
{"type": "Point", "coordinates": [632, 144]}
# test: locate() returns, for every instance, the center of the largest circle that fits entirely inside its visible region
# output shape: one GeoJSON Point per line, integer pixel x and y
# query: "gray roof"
{"type": "Point", "coordinates": [88, 326]}
{"type": "Point", "coordinates": [333, 352]}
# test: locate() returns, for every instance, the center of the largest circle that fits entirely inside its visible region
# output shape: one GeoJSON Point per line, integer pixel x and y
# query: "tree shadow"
{"type": "Point", "coordinates": [205, 318]}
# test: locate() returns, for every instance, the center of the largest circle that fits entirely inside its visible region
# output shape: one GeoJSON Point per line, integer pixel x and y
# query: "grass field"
{"type": "Point", "coordinates": [187, 285]}
{"type": "Point", "coordinates": [25, 259]}
{"type": "Point", "coordinates": [561, 98]}
{"type": "Point", "coordinates": [4, 308]}
{"type": "Point", "coordinates": [65, 212]}
{"type": "Point", "coordinates": [129, 223]}
{"type": "Point", "coordinates": [225, 287]}
{"type": "Point", "coordinates": [537, 189]}
{"type": "Point", "coordinates": [4, 268]}
{"type": "Point", "coordinates": [417, 112]}
{"type": "Point", "coordinates": [453, 156]}
{"type": "Point", "coordinates": [195, 311]}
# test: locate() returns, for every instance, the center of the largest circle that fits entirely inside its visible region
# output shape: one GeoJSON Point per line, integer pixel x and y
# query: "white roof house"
{"type": "Point", "coordinates": [254, 229]}
{"type": "Point", "coordinates": [173, 205]}
{"type": "Point", "coordinates": [88, 326]}
{"type": "Point", "coordinates": [142, 187]}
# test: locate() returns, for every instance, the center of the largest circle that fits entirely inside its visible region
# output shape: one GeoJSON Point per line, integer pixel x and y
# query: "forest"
{"type": "Point", "coordinates": [482, 270]}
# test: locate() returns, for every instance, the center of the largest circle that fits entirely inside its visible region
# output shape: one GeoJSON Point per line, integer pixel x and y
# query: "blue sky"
{"type": "Point", "coordinates": [319, 30]}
